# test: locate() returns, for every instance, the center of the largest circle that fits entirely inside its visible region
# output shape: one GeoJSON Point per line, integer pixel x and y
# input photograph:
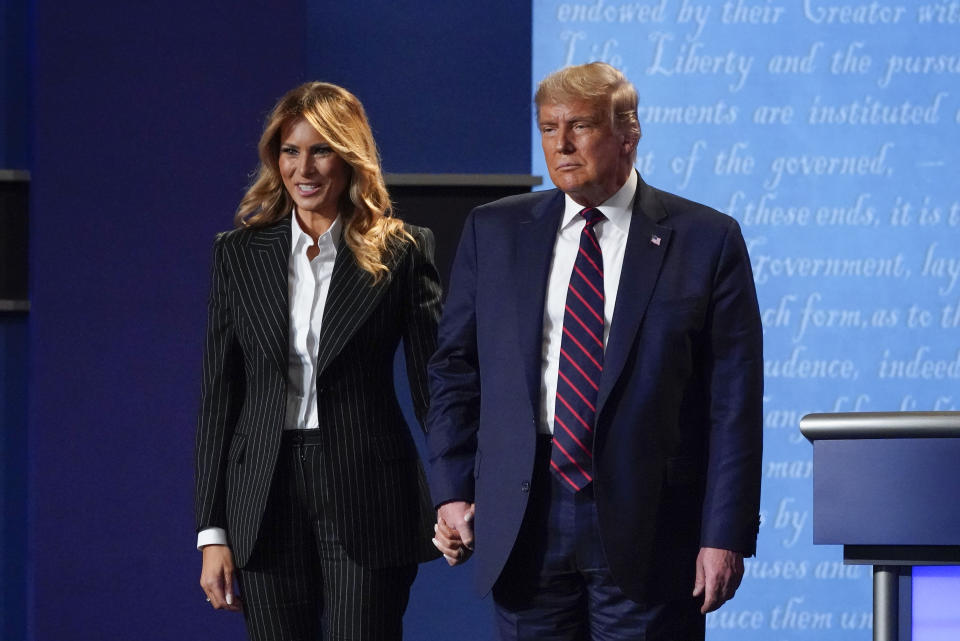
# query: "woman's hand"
{"type": "Point", "coordinates": [216, 578]}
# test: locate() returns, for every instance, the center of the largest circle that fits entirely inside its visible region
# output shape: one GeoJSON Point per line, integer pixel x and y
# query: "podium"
{"type": "Point", "coordinates": [886, 486]}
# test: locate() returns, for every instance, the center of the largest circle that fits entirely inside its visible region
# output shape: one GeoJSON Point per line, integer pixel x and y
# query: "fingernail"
{"type": "Point", "coordinates": [449, 558]}
{"type": "Point", "coordinates": [229, 599]}
{"type": "Point", "coordinates": [436, 543]}
{"type": "Point", "coordinates": [468, 517]}
{"type": "Point", "coordinates": [434, 527]}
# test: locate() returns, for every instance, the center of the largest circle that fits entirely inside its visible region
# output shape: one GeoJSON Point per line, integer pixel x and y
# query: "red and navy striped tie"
{"type": "Point", "coordinates": [581, 361]}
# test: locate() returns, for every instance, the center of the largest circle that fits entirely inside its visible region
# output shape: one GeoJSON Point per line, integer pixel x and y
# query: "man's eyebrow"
{"type": "Point", "coordinates": [574, 118]}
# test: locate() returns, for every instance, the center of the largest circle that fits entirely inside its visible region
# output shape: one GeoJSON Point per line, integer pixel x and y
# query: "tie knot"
{"type": "Point", "coordinates": [592, 216]}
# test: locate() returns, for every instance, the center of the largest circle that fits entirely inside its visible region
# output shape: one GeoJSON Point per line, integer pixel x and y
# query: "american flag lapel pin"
{"type": "Point", "coordinates": [655, 240]}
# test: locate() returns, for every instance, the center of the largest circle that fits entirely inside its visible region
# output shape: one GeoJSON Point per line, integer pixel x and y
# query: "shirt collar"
{"type": "Point", "coordinates": [617, 208]}
{"type": "Point", "coordinates": [300, 239]}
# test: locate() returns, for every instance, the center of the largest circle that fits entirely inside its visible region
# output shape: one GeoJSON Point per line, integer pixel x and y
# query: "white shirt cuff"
{"type": "Point", "coordinates": [211, 536]}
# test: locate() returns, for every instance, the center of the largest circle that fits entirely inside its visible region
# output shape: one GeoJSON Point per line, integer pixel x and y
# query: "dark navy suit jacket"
{"type": "Point", "coordinates": [677, 449]}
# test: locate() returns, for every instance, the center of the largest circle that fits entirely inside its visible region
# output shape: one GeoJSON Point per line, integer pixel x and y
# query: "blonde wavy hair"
{"type": "Point", "coordinates": [369, 229]}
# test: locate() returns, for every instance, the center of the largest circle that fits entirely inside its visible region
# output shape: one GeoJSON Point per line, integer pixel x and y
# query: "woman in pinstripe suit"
{"type": "Point", "coordinates": [309, 491]}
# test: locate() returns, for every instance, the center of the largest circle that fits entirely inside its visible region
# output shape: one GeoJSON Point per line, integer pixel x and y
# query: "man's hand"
{"type": "Point", "coordinates": [718, 577]}
{"type": "Point", "coordinates": [454, 530]}
{"type": "Point", "coordinates": [216, 578]}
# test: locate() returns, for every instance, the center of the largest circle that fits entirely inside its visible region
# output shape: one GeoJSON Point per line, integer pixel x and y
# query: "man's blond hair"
{"type": "Point", "coordinates": [597, 83]}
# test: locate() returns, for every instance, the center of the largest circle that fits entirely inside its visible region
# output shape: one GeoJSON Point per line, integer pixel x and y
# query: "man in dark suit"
{"type": "Point", "coordinates": [596, 393]}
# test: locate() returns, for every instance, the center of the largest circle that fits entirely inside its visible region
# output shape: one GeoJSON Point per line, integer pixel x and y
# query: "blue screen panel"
{"type": "Point", "coordinates": [936, 603]}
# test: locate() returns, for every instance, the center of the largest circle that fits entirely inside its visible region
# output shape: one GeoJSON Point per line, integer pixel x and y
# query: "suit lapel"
{"type": "Point", "coordinates": [536, 236]}
{"type": "Point", "coordinates": [350, 299]}
{"type": "Point", "coordinates": [647, 244]}
{"type": "Point", "coordinates": [265, 289]}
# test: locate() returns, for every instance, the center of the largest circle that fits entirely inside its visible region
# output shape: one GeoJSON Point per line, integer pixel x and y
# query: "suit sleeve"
{"type": "Point", "coordinates": [220, 400]}
{"type": "Point", "coordinates": [454, 375]}
{"type": "Point", "coordinates": [735, 377]}
{"type": "Point", "coordinates": [421, 315]}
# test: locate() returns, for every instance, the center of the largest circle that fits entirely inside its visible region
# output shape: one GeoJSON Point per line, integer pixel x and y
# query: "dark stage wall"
{"type": "Point", "coordinates": [144, 129]}
{"type": "Point", "coordinates": [14, 161]}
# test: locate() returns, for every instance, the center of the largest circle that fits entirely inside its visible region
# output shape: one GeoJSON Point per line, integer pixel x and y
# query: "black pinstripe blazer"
{"type": "Point", "coordinates": [383, 512]}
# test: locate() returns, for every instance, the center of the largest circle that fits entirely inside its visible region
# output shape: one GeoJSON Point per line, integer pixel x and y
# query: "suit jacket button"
{"type": "Point", "coordinates": [525, 486]}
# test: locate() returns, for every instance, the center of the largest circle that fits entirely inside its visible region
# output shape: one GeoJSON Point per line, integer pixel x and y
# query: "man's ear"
{"type": "Point", "coordinates": [628, 143]}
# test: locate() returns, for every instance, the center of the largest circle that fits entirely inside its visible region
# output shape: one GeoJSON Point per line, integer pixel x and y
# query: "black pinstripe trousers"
{"type": "Point", "coordinates": [300, 585]}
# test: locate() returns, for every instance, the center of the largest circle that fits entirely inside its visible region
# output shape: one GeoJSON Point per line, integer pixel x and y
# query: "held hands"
{"type": "Point", "coordinates": [718, 576]}
{"type": "Point", "coordinates": [216, 578]}
{"type": "Point", "coordinates": [454, 531]}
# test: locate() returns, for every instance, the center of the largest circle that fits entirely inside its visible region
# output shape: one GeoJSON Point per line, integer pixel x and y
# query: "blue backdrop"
{"type": "Point", "coordinates": [146, 117]}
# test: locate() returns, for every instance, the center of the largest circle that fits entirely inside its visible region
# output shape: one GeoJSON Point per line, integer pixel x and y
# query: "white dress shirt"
{"type": "Point", "coordinates": [308, 282]}
{"type": "Point", "coordinates": [612, 235]}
